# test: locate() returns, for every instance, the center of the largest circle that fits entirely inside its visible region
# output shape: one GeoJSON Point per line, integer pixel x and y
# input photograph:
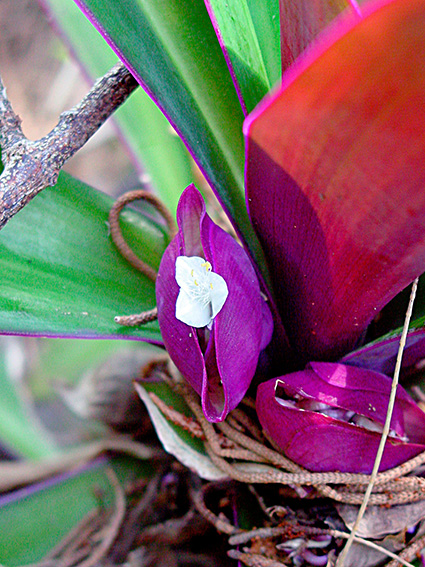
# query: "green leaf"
{"type": "Point", "coordinates": [249, 33]}
{"type": "Point", "coordinates": [34, 520]}
{"type": "Point", "coordinates": [61, 273]}
{"type": "Point", "coordinates": [175, 440]}
{"type": "Point", "coordinates": [153, 144]}
{"type": "Point", "coordinates": [19, 430]}
{"type": "Point", "coordinates": [171, 47]}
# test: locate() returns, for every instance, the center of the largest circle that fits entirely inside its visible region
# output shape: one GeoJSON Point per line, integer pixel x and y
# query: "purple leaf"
{"type": "Point", "coordinates": [329, 417]}
{"type": "Point", "coordinates": [382, 356]}
{"type": "Point", "coordinates": [335, 176]}
{"type": "Point", "coordinates": [218, 362]}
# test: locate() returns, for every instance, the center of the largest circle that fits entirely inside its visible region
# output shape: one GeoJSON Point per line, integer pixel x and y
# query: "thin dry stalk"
{"type": "Point", "coordinates": [13, 474]}
{"type": "Point", "coordinates": [343, 555]}
{"type": "Point", "coordinates": [221, 524]}
{"type": "Point", "coordinates": [116, 233]}
{"type": "Point", "coordinates": [272, 532]}
{"type": "Point", "coordinates": [411, 552]}
{"type": "Point", "coordinates": [113, 527]}
{"type": "Point", "coordinates": [341, 487]}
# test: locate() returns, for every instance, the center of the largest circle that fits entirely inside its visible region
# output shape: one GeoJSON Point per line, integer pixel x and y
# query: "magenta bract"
{"type": "Point", "coordinates": [329, 417]}
{"type": "Point", "coordinates": [218, 363]}
{"type": "Point", "coordinates": [335, 172]}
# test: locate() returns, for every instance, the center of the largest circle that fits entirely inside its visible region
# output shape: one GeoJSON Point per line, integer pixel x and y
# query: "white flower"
{"type": "Point", "coordinates": [202, 292]}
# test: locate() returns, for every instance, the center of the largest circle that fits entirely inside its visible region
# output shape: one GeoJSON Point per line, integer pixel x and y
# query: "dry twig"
{"type": "Point", "coordinates": [30, 167]}
{"type": "Point", "coordinates": [13, 474]}
{"type": "Point", "coordinates": [221, 524]}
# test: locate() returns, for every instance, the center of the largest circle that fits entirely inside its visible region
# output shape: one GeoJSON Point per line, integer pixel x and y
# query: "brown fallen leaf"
{"type": "Point", "coordinates": [379, 521]}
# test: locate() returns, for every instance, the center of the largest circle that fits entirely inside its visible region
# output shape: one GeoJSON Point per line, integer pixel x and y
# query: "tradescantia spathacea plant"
{"type": "Point", "coordinates": [325, 191]}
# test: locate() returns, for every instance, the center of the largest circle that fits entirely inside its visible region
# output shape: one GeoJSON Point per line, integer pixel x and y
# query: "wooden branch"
{"type": "Point", "coordinates": [30, 167]}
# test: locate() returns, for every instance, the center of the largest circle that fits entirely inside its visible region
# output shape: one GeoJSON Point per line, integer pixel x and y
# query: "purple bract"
{"type": "Point", "coordinates": [329, 417]}
{"type": "Point", "coordinates": [218, 362]}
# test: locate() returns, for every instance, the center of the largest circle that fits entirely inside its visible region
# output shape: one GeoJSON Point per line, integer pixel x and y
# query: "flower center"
{"type": "Point", "coordinates": [202, 291]}
{"type": "Point", "coordinates": [199, 283]}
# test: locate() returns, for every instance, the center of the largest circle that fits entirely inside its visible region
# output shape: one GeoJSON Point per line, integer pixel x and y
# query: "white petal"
{"type": "Point", "coordinates": [202, 292]}
{"type": "Point", "coordinates": [219, 292]}
{"type": "Point", "coordinates": [192, 313]}
{"type": "Point", "coordinates": [185, 266]}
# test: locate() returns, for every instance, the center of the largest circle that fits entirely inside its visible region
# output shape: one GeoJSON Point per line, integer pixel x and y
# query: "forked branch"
{"type": "Point", "coordinates": [30, 167]}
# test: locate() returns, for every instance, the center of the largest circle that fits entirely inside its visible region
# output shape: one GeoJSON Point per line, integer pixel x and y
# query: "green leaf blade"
{"type": "Point", "coordinates": [172, 49]}
{"type": "Point", "coordinates": [61, 273]}
{"type": "Point", "coordinates": [20, 432]}
{"type": "Point", "coordinates": [249, 34]}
